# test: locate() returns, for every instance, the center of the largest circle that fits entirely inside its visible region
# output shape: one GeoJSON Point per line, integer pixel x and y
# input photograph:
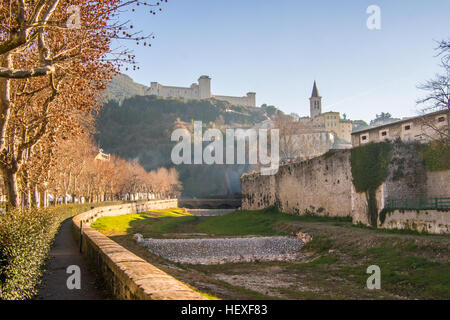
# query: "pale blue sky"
{"type": "Point", "coordinates": [278, 48]}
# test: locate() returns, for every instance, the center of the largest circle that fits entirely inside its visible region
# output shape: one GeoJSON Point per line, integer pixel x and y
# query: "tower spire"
{"type": "Point", "coordinates": [315, 92]}
{"type": "Point", "coordinates": [315, 102]}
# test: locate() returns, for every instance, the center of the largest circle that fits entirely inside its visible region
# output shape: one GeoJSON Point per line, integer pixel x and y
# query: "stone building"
{"type": "Point", "coordinates": [200, 90]}
{"type": "Point", "coordinates": [320, 132]}
{"type": "Point", "coordinates": [421, 128]}
{"type": "Point", "coordinates": [327, 121]}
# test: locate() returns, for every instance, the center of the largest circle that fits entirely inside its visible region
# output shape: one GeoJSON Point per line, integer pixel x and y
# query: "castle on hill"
{"type": "Point", "coordinates": [200, 91]}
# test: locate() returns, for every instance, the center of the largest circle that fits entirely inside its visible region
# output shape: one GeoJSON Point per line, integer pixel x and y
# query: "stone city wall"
{"type": "Point", "coordinates": [324, 186]}
{"type": "Point", "coordinates": [430, 221]}
{"type": "Point", "coordinates": [321, 185]}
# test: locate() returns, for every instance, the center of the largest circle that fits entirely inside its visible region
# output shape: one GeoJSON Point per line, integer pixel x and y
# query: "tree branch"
{"type": "Point", "coordinates": [25, 73]}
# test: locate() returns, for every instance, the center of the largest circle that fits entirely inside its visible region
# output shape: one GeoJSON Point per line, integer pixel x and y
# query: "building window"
{"type": "Point", "coordinates": [364, 138]}
{"type": "Point", "coordinates": [441, 119]}
{"type": "Point", "coordinates": [408, 127]}
{"type": "Point", "coordinates": [384, 134]}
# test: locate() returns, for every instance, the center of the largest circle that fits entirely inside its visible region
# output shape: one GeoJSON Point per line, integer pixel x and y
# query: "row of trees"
{"type": "Point", "coordinates": [78, 171]}
{"type": "Point", "coordinates": [55, 58]}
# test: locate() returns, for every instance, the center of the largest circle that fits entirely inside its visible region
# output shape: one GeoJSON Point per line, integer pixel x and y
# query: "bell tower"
{"type": "Point", "coordinates": [315, 103]}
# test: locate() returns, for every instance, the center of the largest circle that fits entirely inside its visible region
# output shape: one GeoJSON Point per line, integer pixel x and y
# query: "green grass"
{"type": "Point", "coordinates": [154, 222]}
{"type": "Point", "coordinates": [402, 273]}
{"type": "Point", "coordinates": [261, 222]}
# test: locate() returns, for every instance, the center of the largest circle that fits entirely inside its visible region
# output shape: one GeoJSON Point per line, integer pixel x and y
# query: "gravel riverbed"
{"type": "Point", "coordinates": [226, 250]}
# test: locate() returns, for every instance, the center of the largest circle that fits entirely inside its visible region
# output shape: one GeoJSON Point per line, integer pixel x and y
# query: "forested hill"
{"type": "Point", "coordinates": [140, 128]}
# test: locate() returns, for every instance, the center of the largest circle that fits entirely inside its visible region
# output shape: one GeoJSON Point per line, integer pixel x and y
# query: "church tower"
{"type": "Point", "coordinates": [315, 102]}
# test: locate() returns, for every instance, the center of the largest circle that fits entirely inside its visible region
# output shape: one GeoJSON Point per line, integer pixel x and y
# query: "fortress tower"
{"type": "Point", "coordinates": [204, 83]}
{"type": "Point", "coordinates": [315, 103]}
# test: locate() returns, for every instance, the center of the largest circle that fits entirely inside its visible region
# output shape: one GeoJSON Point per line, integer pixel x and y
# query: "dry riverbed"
{"type": "Point", "coordinates": [332, 266]}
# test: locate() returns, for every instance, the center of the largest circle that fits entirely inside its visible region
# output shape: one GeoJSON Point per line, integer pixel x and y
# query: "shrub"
{"type": "Point", "coordinates": [25, 239]}
{"type": "Point", "coordinates": [437, 155]}
{"type": "Point", "coordinates": [370, 164]}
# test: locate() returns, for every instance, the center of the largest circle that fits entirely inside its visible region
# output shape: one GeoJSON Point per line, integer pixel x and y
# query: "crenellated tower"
{"type": "Point", "coordinates": [204, 83]}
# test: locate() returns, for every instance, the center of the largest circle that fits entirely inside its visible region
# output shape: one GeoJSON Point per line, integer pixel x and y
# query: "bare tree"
{"type": "Point", "coordinates": [438, 96]}
{"type": "Point", "coordinates": [50, 70]}
{"type": "Point", "coordinates": [288, 130]}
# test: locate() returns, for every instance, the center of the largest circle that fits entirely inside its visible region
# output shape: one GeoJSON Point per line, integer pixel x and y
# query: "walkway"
{"type": "Point", "coordinates": [65, 252]}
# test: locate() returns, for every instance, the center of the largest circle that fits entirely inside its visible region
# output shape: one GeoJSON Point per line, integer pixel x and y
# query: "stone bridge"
{"type": "Point", "coordinates": [209, 203]}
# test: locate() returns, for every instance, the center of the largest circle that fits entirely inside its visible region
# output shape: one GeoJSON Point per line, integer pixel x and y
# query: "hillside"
{"type": "Point", "coordinates": [122, 87]}
{"type": "Point", "coordinates": [140, 128]}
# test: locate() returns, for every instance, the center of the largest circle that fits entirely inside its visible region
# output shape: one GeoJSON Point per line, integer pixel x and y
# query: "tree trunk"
{"type": "Point", "coordinates": [35, 197]}
{"type": "Point", "coordinates": [29, 198]}
{"type": "Point", "coordinates": [10, 182]}
{"type": "Point", "coordinates": [41, 199]}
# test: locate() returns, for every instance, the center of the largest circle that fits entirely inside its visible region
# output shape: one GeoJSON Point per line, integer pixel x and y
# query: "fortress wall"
{"type": "Point", "coordinates": [438, 184]}
{"type": "Point", "coordinates": [180, 92]}
{"type": "Point", "coordinates": [430, 221]}
{"type": "Point", "coordinates": [326, 182]}
{"type": "Point", "coordinates": [200, 90]}
{"type": "Point", "coordinates": [258, 192]}
{"type": "Point", "coordinates": [408, 178]}
{"type": "Point", "coordinates": [241, 101]}
{"type": "Point", "coordinates": [322, 185]}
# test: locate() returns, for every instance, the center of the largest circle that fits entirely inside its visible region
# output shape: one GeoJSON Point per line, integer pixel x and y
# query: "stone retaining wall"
{"type": "Point", "coordinates": [431, 221]}
{"type": "Point", "coordinates": [125, 274]}
{"type": "Point", "coordinates": [210, 212]}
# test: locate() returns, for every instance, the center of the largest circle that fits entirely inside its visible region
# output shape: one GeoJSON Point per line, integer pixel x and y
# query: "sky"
{"type": "Point", "coordinates": [278, 48]}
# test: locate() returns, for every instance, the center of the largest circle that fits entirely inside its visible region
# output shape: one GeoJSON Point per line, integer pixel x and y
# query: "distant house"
{"type": "Point", "coordinates": [421, 128]}
{"type": "Point", "coordinates": [102, 156]}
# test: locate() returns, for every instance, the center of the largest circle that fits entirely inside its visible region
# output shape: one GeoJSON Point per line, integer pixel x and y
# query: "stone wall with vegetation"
{"type": "Point", "coordinates": [429, 221]}
{"type": "Point", "coordinates": [320, 186]}
{"type": "Point", "coordinates": [408, 176]}
{"type": "Point", "coordinates": [126, 275]}
{"type": "Point", "coordinates": [438, 184]}
{"type": "Point", "coordinates": [355, 182]}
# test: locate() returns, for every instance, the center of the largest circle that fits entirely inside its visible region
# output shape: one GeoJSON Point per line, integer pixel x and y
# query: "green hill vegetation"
{"type": "Point", "coordinates": [139, 127]}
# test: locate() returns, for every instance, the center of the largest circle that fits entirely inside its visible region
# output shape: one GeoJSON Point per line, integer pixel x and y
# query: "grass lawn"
{"type": "Point", "coordinates": [151, 223]}
{"type": "Point", "coordinates": [413, 266]}
{"type": "Point", "coordinates": [174, 220]}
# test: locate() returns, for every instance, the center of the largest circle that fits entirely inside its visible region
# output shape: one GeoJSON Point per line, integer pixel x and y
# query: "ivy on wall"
{"type": "Point", "coordinates": [436, 155]}
{"type": "Point", "coordinates": [369, 164]}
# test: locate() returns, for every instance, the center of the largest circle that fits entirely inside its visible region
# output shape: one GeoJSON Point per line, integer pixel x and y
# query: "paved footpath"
{"type": "Point", "coordinates": [65, 252]}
